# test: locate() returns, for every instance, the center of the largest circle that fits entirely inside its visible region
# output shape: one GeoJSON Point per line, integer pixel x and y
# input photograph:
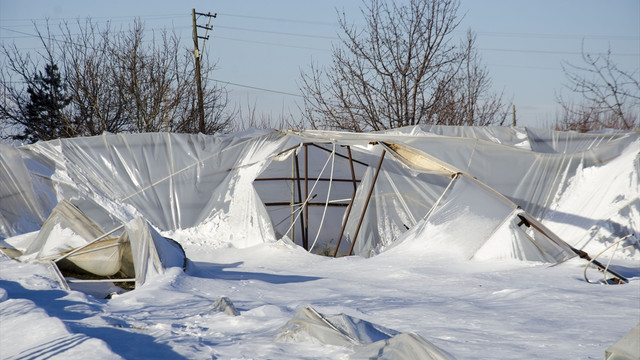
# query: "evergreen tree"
{"type": "Point", "coordinates": [44, 111]}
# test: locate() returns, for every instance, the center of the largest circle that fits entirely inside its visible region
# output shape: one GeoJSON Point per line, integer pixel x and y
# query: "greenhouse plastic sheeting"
{"type": "Point", "coordinates": [175, 181]}
{"type": "Point", "coordinates": [471, 221]}
{"type": "Point", "coordinates": [627, 348]}
{"type": "Point", "coordinates": [530, 179]}
{"type": "Point", "coordinates": [137, 251]}
{"type": "Point", "coordinates": [368, 340]}
{"type": "Point", "coordinates": [534, 139]}
{"type": "Point", "coordinates": [178, 181]}
{"type": "Point", "coordinates": [406, 346]}
{"type": "Point", "coordinates": [399, 201]}
{"type": "Point", "coordinates": [65, 229]}
{"type": "Point", "coordinates": [152, 253]}
{"type": "Point", "coordinates": [308, 325]}
{"type": "Point", "coordinates": [22, 210]}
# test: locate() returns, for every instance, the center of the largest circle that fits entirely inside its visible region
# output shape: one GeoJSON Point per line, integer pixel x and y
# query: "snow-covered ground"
{"type": "Point", "coordinates": [472, 310]}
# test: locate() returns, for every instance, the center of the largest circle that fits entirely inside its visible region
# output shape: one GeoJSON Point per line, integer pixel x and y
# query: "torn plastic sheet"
{"type": "Point", "coordinates": [179, 181]}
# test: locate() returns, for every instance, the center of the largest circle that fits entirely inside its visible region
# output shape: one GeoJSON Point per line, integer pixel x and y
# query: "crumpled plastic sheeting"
{"type": "Point", "coordinates": [152, 253]}
{"type": "Point", "coordinates": [529, 166]}
{"type": "Point", "coordinates": [178, 181]}
{"type": "Point", "coordinates": [406, 346]}
{"type": "Point", "coordinates": [627, 348]}
{"type": "Point", "coordinates": [526, 138]}
{"type": "Point", "coordinates": [399, 201]}
{"type": "Point", "coordinates": [529, 179]}
{"type": "Point", "coordinates": [473, 222]}
{"type": "Point", "coordinates": [173, 180]}
{"type": "Point", "coordinates": [509, 136]}
{"type": "Point", "coordinates": [565, 142]}
{"type": "Point", "coordinates": [66, 228]}
{"type": "Point", "coordinates": [369, 340]}
{"type": "Point", "coordinates": [22, 210]}
{"type": "Point", "coordinates": [308, 325]}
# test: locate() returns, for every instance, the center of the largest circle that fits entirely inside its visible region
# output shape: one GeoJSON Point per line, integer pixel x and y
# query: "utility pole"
{"type": "Point", "coordinates": [513, 117]}
{"type": "Point", "coordinates": [196, 54]}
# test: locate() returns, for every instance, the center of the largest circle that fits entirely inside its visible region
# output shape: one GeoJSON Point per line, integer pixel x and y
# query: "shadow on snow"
{"type": "Point", "coordinates": [128, 344]}
{"type": "Point", "coordinates": [221, 271]}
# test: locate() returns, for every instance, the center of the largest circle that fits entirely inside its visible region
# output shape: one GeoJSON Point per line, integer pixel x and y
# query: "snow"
{"type": "Point", "coordinates": [472, 309]}
{"type": "Point", "coordinates": [611, 194]}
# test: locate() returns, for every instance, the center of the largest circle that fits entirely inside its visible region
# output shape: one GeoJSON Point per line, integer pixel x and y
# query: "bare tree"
{"type": "Point", "coordinates": [610, 96]}
{"type": "Point", "coordinates": [402, 68]}
{"type": "Point", "coordinates": [250, 117]}
{"type": "Point", "coordinates": [88, 62]}
{"type": "Point", "coordinates": [16, 75]}
{"type": "Point", "coordinates": [218, 113]}
{"type": "Point", "coordinates": [120, 81]}
{"type": "Point", "coordinates": [467, 99]}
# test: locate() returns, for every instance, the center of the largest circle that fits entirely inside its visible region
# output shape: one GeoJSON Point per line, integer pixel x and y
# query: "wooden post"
{"type": "Point", "coordinates": [196, 54]}
{"type": "Point", "coordinates": [366, 203]}
{"type": "Point", "coordinates": [348, 211]}
{"type": "Point", "coordinates": [293, 201]}
{"type": "Point", "coordinates": [305, 239]}
{"type": "Point", "coordinates": [300, 200]}
{"type": "Point", "coordinates": [353, 173]}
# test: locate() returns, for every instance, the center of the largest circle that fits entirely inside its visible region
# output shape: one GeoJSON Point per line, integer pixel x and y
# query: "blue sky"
{"type": "Point", "coordinates": [261, 46]}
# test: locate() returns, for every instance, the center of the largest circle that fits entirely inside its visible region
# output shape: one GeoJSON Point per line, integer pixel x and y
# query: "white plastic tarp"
{"type": "Point", "coordinates": [528, 178]}
{"type": "Point", "coordinates": [406, 346]}
{"type": "Point", "coordinates": [308, 325]}
{"type": "Point", "coordinates": [471, 221]}
{"type": "Point", "coordinates": [22, 209]}
{"type": "Point", "coordinates": [152, 254]}
{"type": "Point", "coordinates": [65, 229]}
{"type": "Point", "coordinates": [399, 201]}
{"type": "Point", "coordinates": [177, 181]}
{"type": "Point", "coordinates": [369, 340]}
{"type": "Point", "coordinates": [173, 180]}
{"type": "Point", "coordinates": [526, 138]}
{"type": "Point", "coordinates": [627, 348]}
{"type": "Point", "coordinates": [70, 237]}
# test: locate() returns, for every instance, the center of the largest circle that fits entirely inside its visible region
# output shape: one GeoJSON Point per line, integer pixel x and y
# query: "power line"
{"type": "Point", "coordinates": [257, 88]}
{"type": "Point", "coordinates": [25, 34]}
{"type": "Point", "coordinates": [279, 32]}
{"type": "Point", "coordinates": [228, 28]}
{"type": "Point", "coordinates": [558, 36]}
{"type": "Point", "coordinates": [275, 19]}
{"type": "Point", "coordinates": [523, 67]}
{"type": "Point", "coordinates": [58, 38]}
{"type": "Point", "coordinates": [109, 18]}
{"type": "Point", "coordinates": [296, 21]}
{"type": "Point", "coordinates": [270, 43]}
{"type": "Point", "coordinates": [551, 52]}
{"type": "Point", "coordinates": [312, 22]}
{"type": "Point", "coordinates": [173, 16]}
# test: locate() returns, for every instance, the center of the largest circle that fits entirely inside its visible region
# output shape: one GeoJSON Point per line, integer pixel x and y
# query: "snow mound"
{"type": "Point", "coordinates": [609, 198]}
{"type": "Point", "coordinates": [369, 340]}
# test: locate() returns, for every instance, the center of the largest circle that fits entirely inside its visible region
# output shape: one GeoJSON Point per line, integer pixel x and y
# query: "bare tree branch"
{"type": "Point", "coordinates": [610, 96]}
{"type": "Point", "coordinates": [402, 68]}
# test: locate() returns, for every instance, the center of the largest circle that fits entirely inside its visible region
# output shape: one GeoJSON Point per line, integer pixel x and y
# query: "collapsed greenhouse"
{"type": "Point", "coordinates": [464, 192]}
